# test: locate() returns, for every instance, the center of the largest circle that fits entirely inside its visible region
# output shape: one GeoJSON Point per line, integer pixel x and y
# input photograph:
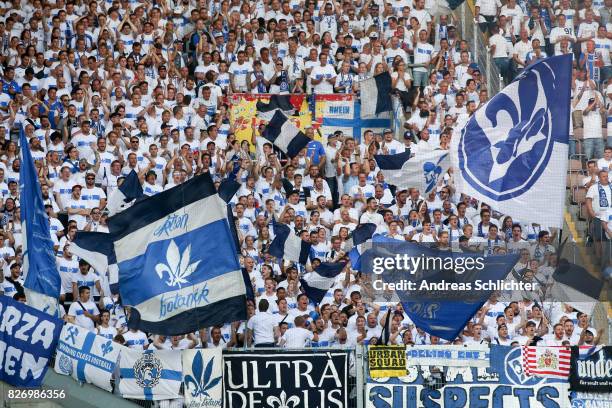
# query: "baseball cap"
{"type": "Point", "coordinates": [387, 131]}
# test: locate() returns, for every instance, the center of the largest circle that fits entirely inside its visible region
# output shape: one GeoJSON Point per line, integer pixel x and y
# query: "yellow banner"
{"type": "Point", "coordinates": [387, 361]}
{"type": "Point", "coordinates": [243, 113]}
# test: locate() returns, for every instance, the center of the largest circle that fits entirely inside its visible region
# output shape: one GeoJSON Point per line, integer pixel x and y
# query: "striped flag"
{"type": "Point", "coordinates": [318, 282]}
{"type": "Point", "coordinates": [377, 92]}
{"type": "Point", "coordinates": [547, 362]}
{"type": "Point", "coordinates": [285, 135]}
{"type": "Point", "coordinates": [176, 278]}
{"type": "Point", "coordinates": [422, 171]}
{"type": "Point", "coordinates": [151, 375]}
{"type": "Point", "coordinates": [287, 245]}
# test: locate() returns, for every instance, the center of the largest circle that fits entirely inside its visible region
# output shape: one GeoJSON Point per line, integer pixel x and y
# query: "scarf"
{"type": "Point", "coordinates": [603, 198]}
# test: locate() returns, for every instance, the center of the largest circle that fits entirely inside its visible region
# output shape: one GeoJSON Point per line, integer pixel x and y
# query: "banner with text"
{"type": "Point", "coordinates": [289, 379]}
{"type": "Point", "coordinates": [86, 356]}
{"type": "Point", "coordinates": [503, 385]}
{"type": "Point", "coordinates": [387, 361]}
{"type": "Point", "coordinates": [476, 355]}
{"type": "Point", "coordinates": [27, 341]}
{"type": "Point", "coordinates": [591, 369]}
{"type": "Point", "coordinates": [343, 112]}
{"type": "Point", "coordinates": [203, 378]}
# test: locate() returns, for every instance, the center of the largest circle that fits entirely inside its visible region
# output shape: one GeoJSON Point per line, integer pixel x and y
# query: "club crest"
{"type": "Point", "coordinates": [506, 145]}
{"type": "Point", "coordinates": [147, 370]}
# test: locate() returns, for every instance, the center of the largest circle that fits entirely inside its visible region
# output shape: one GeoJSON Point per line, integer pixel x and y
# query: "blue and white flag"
{"type": "Point", "coordinates": [423, 171]}
{"type": "Point", "coordinates": [282, 103]}
{"type": "Point", "coordinates": [285, 135]}
{"type": "Point", "coordinates": [512, 153]}
{"type": "Point", "coordinates": [438, 311]}
{"type": "Point", "coordinates": [203, 377]}
{"type": "Point", "coordinates": [86, 357]}
{"type": "Point", "coordinates": [362, 234]}
{"type": "Point", "coordinates": [318, 282]}
{"type": "Point", "coordinates": [42, 281]}
{"type": "Point", "coordinates": [376, 91]}
{"type": "Point", "coordinates": [98, 249]}
{"type": "Point", "coordinates": [94, 247]}
{"type": "Point", "coordinates": [27, 342]}
{"type": "Point", "coordinates": [178, 264]}
{"type": "Point", "coordinates": [123, 196]}
{"type": "Point", "coordinates": [286, 245]}
{"type": "Point", "coordinates": [150, 375]}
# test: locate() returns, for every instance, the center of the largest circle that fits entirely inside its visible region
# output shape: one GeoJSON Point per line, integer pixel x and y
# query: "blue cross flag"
{"type": "Point", "coordinates": [150, 375]}
{"type": "Point", "coordinates": [86, 356]}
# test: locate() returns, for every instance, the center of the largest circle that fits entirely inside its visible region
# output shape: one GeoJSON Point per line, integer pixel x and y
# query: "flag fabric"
{"type": "Point", "coordinates": [343, 112]}
{"type": "Point", "coordinates": [547, 362]}
{"type": "Point", "coordinates": [86, 357]}
{"type": "Point", "coordinates": [442, 312]}
{"type": "Point", "coordinates": [423, 171]}
{"type": "Point", "coordinates": [203, 377]}
{"type": "Point", "coordinates": [286, 245]}
{"type": "Point", "coordinates": [94, 247]}
{"type": "Point", "coordinates": [362, 234]}
{"type": "Point", "coordinates": [282, 103]}
{"type": "Point", "coordinates": [377, 92]}
{"type": "Point", "coordinates": [285, 135]}
{"type": "Point", "coordinates": [42, 281]}
{"type": "Point", "coordinates": [512, 153]}
{"type": "Point", "coordinates": [318, 282]}
{"type": "Point", "coordinates": [123, 196]}
{"type": "Point", "coordinates": [98, 250]}
{"type": "Point", "coordinates": [591, 368]}
{"type": "Point", "coordinates": [575, 286]}
{"type": "Point", "coordinates": [173, 275]}
{"type": "Point", "coordinates": [150, 375]}
{"type": "Point", "coordinates": [385, 334]}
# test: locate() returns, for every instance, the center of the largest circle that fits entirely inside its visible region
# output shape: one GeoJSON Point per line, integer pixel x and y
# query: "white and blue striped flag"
{"type": "Point", "coordinates": [122, 197]}
{"type": "Point", "coordinates": [150, 375]}
{"type": "Point", "coordinates": [422, 171]}
{"type": "Point", "coordinates": [98, 250]}
{"type": "Point", "coordinates": [285, 135]}
{"type": "Point", "coordinates": [362, 234]}
{"type": "Point", "coordinates": [376, 95]}
{"type": "Point", "coordinates": [173, 275]}
{"type": "Point", "coordinates": [286, 245]}
{"type": "Point", "coordinates": [86, 357]}
{"type": "Point", "coordinates": [318, 282]}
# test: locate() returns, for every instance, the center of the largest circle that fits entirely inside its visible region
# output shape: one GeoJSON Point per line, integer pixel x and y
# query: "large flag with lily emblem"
{"type": "Point", "coordinates": [178, 268]}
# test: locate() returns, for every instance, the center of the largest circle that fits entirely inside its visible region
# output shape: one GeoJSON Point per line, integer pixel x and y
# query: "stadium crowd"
{"type": "Point", "coordinates": [102, 88]}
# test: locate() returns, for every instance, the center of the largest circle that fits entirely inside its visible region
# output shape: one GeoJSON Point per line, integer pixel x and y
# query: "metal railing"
{"type": "Point", "coordinates": [471, 33]}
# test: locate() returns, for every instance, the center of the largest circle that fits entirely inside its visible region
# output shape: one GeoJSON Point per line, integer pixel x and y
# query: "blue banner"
{"type": "Point", "coordinates": [39, 268]}
{"type": "Point", "coordinates": [442, 289]}
{"type": "Point", "coordinates": [27, 342]}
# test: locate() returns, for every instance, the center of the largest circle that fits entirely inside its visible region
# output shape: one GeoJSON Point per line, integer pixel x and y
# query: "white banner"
{"type": "Point", "coordinates": [203, 378]}
{"type": "Point", "coordinates": [450, 356]}
{"type": "Point", "coordinates": [86, 357]}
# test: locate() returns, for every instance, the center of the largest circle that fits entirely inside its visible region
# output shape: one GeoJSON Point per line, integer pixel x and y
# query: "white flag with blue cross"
{"type": "Point", "coordinates": [86, 357]}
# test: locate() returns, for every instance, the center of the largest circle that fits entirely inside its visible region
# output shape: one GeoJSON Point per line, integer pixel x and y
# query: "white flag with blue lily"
{"type": "Point", "coordinates": [512, 153]}
{"type": "Point", "coordinates": [177, 261]}
{"type": "Point", "coordinates": [203, 377]}
{"type": "Point", "coordinates": [87, 357]}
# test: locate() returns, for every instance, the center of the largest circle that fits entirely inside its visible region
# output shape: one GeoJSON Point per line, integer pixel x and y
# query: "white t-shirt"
{"type": "Point", "coordinates": [593, 193]}
{"type": "Point", "coordinates": [79, 314]}
{"type": "Point", "coordinates": [262, 326]}
{"type": "Point", "coordinates": [325, 72]}
{"type": "Point", "coordinates": [297, 337]}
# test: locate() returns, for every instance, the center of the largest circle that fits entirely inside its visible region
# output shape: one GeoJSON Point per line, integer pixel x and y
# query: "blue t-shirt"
{"type": "Point", "coordinates": [315, 150]}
